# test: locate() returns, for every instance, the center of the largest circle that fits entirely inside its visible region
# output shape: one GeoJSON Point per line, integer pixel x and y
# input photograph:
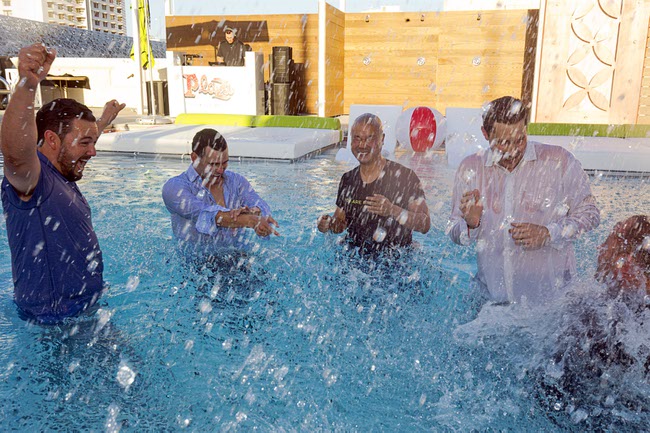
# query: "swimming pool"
{"type": "Point", "coordinates": [295, 336]}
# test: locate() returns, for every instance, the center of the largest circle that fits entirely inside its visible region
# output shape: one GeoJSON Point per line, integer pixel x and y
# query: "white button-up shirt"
{"type": "Point", "coordinates": [548, 188]}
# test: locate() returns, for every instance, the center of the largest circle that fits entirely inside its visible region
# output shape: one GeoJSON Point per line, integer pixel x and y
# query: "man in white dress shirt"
{"type": "Point", "coordinates": [523, 203]}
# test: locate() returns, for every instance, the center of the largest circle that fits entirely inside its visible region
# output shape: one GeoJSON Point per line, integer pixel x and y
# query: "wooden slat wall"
{"type": "Point", "coordinates": [644, 100]}
{"type": "Point", "coordinates": [335, 61]}
{"type": "Point", "coordinates": [450, 43]}
{"type": "Point", "coordinates": [381, 55]}
{"type": "Point", "coordinates": [297, 31]}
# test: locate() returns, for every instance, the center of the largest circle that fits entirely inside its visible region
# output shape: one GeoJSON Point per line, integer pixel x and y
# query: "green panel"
{"type": "Point", "coordinates": [259, 121]}
{"type": "Point", "coordinates": [297, 122]}
{"type": "Point", "coordinates": [637, 131]}
{"type": "Point", "coordinates": [215, 119]}
{"type": "Point", "coordinates": [577, 129]}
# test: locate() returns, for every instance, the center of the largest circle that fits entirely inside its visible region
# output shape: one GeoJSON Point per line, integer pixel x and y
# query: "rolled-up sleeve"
{"type": "Point", "coordinates": [179, 199]}
{"type": "Point", "coordinates": [250, 198]}
{"type": "Point", "coordinates": [456, 226]}
{"type": "Point", "coordinates": [582, 214]}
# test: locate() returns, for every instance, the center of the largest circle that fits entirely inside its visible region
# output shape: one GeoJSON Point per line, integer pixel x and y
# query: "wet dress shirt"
{"type": "Point", "coordinates": [193, 211]}
{"type": "Point", "coordinates": [548, 188]}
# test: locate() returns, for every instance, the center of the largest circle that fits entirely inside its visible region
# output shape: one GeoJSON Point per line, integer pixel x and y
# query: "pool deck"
{"type": "Point", "coordinates": [617, 155]}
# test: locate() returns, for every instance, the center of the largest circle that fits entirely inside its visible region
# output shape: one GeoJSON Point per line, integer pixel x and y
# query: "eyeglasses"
{"type": "Point", "coordinates": [518, 141]}
{"type": "Point", "coordinates": [357, 139]}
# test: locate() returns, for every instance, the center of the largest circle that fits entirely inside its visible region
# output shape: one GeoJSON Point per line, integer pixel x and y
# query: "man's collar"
{"type": "Point", "coordinates": [192, 174]}
{"type": "Point", "coordinates": [529, 155]}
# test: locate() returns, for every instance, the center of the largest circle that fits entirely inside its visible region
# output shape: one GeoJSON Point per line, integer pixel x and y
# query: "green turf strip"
{"type": "Point", "coordinates": [259, 121]}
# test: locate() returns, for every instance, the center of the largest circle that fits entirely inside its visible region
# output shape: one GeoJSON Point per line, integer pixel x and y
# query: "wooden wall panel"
{"type": "Point", "coordinates": [335, 61]}
{"type": "Point", "coordinates": [381, 58]}
{"type": "Point", "coordinates": [591, 62]}
{"type": "Point", "coordinates": [409, 59]}
{"type": "Point", "coordinates": [644, 100]}
{"type": "Point", "coordinates": [434, 59]}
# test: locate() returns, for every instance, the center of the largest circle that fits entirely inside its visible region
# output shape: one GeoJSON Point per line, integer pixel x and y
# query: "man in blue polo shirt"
{"type": "Point", "coordinates": [56, 260]}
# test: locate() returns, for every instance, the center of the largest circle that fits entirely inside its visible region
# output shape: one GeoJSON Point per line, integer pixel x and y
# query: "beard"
{"type": "Point", "coordinates": [70, 168]}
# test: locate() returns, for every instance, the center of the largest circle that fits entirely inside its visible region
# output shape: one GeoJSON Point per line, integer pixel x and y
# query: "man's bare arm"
{"type": "Point", "coordinates": [19, 133]}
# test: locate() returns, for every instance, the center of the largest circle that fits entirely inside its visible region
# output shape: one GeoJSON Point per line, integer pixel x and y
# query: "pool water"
{"type": "Point", "coordinates": [297, 335]}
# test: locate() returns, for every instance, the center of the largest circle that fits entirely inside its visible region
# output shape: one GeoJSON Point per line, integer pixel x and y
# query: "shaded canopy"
{"type": "Point", "coordinates": [16, 33]}
{"type": "Point", "coordinates": [67, 80]}
{"type": "Point", "coordinates": [211, 33]}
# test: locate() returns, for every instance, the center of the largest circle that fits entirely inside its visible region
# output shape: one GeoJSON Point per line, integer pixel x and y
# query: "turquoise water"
{"type": "Point", "coordinates": [296, 335]}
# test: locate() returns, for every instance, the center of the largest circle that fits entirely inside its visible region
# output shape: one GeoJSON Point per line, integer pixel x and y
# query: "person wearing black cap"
{"type": "Point", "coordinates": [211, 207]}
{"type": "Point", "coordinates": [231, 50]}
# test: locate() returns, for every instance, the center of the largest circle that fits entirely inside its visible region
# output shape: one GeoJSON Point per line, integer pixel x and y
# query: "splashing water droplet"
{"type": "Point", "coordinates": [132, 283]}
{"type": "Point", "coordinates": [205, 307]}
{"type": "Point", "coordinates": [379, 235]}
{"type": "Point", "coordinates": [125, 376]}
{"type": "Point", "coordinates": [620, 263]}
{"type": "Point", "coordinates": [111, 420]}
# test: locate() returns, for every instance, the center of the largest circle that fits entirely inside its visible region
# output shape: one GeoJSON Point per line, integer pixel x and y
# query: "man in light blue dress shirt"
{"type": "Point", "coordinates": [212, 208]}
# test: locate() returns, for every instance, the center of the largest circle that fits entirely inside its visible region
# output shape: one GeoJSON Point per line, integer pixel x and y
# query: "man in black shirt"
{"type": "Point", "coordinates": [231, 51]}
{"type": "Point", "coordinates": [380, 202]}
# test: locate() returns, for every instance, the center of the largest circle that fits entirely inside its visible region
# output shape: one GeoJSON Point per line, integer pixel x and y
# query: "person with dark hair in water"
{"type": "Point", "coordinates": [211, 206]}
{"type": "Point", "coordinates": [602, 338]}
{"type": "Point", "coordinates": [56, 260]}
{"type": "Point", "coordinates": [522, 203]}
{"type": "Point", "coordinates": [624, 257]}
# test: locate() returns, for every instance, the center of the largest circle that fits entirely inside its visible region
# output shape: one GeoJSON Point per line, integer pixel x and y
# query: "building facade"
{"type": "Point", "coordinates": [106, 16]}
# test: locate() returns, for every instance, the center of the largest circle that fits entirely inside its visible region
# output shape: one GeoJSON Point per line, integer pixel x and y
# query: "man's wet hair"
{"type": "Point", "coordinates": [208, 138]}
{"type": "Point", "coordinates": [57, 116]}
{"type": "Point", "coordinates": [634, 234]}
{"type": "Point", "coordinates": [506, 110]}
{"type": "Point", "coordinates": [369, 119]}
{"type": "Point", "coordinates": [629, 239]}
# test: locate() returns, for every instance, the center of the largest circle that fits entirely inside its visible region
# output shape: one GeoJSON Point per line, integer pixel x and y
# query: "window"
{"type": "Point", "coordinates": [6, 3]}
{"type": "Point", "coordinates": [112, 25]}
{"type": "Point", "coordinates": [7, 13]}
{"type": "Point", "coordinates": [103, 7]}
{"type": "Point", "coordinates": [69, 8]}
{"type": "Point", "coordinates": [95, 4]}
{"type": "Point", "coordinates": [96, 14]}
{"type": "Point", "coordinates": [97, 23]}
{"type": "Point", "coordinates": [119, 26]}
{"type": "Point", "coordinates": [61, 16]}
{"type": "Point", "coordinates": [104, 16]}
{"type": "Point", "coordinates": [60, 7]}
{"type": "Point", "coordinates": [112, 8]}
{"type": "Point", "coordinates": [50, 14]}
{"type": "Point", "coordinates": [105, 24]}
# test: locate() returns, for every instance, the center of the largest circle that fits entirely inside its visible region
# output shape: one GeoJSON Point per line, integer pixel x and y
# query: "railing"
{"type": "Point", "coordinates": [6, 92]}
